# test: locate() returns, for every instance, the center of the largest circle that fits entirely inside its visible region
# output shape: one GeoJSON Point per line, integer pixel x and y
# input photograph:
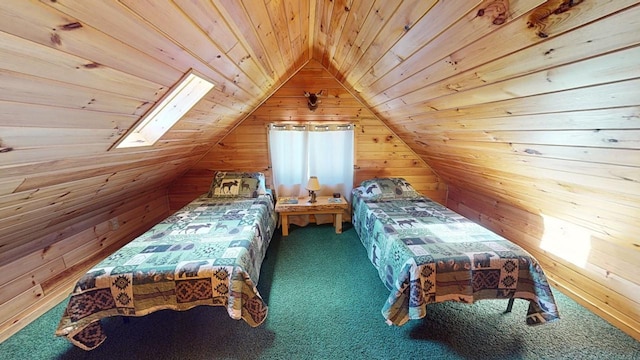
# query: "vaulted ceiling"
{"type": "Point", "coordinates": [530, 103]}
{"type": "Point", "coordinates": [449, 77]}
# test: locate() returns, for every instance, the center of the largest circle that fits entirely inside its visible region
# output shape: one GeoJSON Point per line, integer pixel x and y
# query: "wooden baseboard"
{"type": "Point", "coordinates": [31, 313]}
{"type": "Point", "coordinates": [577, 296]}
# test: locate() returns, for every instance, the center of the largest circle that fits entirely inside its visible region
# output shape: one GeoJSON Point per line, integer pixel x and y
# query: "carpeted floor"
{"type": "Point", "coordinates": [324, 300]}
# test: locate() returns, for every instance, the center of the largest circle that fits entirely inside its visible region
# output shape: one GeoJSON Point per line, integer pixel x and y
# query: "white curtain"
{"type": "Point", "coordinates": [289, 160]}
{"type": "Point", "coordinates": [331, 160]}
{"type": "Point", "coordinates": [300, 151]}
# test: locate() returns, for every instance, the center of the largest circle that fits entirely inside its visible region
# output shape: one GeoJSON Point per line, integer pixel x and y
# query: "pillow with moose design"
{"type": "Point", "coordinates": [237, 184]}
{"type": "Point", "coordinates": [388, 188]}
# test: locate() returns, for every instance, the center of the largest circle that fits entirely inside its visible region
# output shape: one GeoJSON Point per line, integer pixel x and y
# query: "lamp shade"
{"type": "Point", "coordinates": [313, 184]}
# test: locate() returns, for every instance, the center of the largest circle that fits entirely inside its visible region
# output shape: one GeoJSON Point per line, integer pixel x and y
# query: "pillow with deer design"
{"type": "Point", "coordinates": [388, 188]}
{"type": "Point", "coordinates": [237, 184]}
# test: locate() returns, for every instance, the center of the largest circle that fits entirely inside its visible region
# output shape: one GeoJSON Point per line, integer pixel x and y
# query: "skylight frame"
{"type": "Point", "coordinates": [187, 92]}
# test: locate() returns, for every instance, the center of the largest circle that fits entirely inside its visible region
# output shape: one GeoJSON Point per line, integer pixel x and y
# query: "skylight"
{"type": "Point", "coordinates": [180, 99]}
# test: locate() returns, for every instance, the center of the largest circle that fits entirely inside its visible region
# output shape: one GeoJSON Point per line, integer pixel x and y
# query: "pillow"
{"type": "Point", "coordinates": [388, 188]}
{"type": "Point", "coordinates": [237, 184]}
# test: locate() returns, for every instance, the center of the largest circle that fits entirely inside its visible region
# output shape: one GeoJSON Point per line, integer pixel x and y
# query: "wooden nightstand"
{"type": "Point", "coordinates": [323, 205]}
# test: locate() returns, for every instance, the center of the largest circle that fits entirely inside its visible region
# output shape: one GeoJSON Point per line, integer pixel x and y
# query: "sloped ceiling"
{"type": "Point", "coordinates": [529, 103]}
{"type": "Point", "coordinates": [469, 85]}
{"type": "Point", "coordinates": [475, 88]}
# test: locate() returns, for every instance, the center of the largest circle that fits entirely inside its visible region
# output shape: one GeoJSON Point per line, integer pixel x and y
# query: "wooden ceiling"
{"type": "Point", "coordinates": [532, 104]}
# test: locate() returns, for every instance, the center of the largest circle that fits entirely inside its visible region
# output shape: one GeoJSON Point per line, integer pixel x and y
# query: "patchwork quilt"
{"type": "Point", "coordinates": [426, 253]}
{"type": "Point", "coordinates": [207, 253]}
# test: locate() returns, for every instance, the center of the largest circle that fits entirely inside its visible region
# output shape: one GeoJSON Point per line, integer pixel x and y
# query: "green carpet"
{"type": "Point", "coordinates": [324, 300]}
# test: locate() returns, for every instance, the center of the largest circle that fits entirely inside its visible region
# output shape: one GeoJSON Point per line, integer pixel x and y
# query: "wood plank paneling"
{"type": "Point", "coordinates": [546, 121]}
{"type": "Point", "coordinates": [528, 108]}
{"type": "Point", "coordinates": [52, 270]}
{"type": "Point", "coordinates": [246, 147]}
{"type": "Point", "coordinates": [532, 234]}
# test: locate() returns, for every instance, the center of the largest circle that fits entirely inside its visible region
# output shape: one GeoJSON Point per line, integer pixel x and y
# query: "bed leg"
{"type": "Point", "coordinates": [509, 305]}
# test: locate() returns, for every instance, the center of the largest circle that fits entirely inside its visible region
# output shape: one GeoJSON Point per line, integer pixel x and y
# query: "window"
{"type": "Point", "coordinates": [180, 99]}
{"type": "Point", "coordinates": [298, 151]}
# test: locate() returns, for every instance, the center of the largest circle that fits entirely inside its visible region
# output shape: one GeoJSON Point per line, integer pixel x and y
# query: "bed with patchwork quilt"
{"type": "Point", "coordinates": [207, 253]}
{"type": "Point", "coordinates": [426, 253]}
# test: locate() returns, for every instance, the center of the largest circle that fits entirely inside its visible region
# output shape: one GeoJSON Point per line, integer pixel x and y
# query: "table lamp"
{"type": "Point", "coordinates": [313, 185]}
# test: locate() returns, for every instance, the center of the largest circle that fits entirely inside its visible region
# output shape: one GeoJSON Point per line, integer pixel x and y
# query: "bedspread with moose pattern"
{"type": "Point", "coordinates": [426, 253]}
{"type": "Point", "coordinates": [207, 253]}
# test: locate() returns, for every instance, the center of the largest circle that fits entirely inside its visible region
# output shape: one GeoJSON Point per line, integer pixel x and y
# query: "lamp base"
{"type": "Point", "coordinates": [313, 196]}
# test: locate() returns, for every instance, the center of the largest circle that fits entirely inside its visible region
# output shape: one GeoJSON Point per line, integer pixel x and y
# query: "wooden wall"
{"type": "Point", "coordinates": [74, 77]}
{"type": "Point", "coordinates": [533, 121]}
{"type": "Point", "coordinates": [599, 273]}
{"type": "Point", "coordinates": [379, 152]}
{"type": "Point", "coordinates": [529, 110]}
{"type": "Point", "coordinates": [33, 283]}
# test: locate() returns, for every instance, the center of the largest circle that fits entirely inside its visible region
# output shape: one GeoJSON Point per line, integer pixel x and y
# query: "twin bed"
{"type": "Point", "coordinates": [210, 253]}
{"type": "Point", "coordinates": [425, 253]}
